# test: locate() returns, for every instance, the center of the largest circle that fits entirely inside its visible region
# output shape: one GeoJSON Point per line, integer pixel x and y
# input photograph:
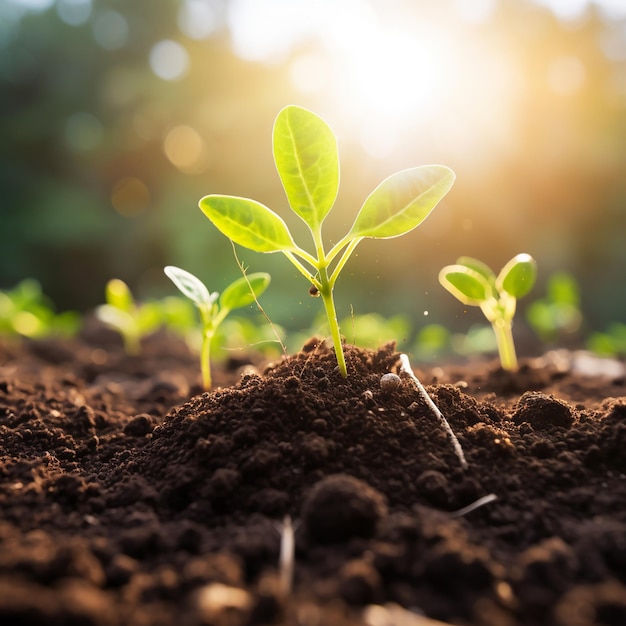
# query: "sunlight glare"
{"type": "Point", "coordinates": [475, 11]}
{"type": "Point", "coordinates": [267, 31]}
{"type": "Point", "coordinates": [566, 9]}
{"type": "Point", "coordinates": [566, 75]}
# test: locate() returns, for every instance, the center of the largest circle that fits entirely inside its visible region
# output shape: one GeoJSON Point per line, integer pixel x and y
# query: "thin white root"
{"type": "Point", "coordinates": [475, 505]}
{"type": "Point", "coordinates": [286, 558]}
{"type": "Point", "coordinates": [405, 366]}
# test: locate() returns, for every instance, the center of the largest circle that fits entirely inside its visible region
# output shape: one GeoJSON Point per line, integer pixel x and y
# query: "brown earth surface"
{"type": "Point", "coordinates": [129, 497]}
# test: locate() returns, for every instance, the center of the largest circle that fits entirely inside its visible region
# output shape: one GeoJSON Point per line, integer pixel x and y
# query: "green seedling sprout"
{"type": "Point", "coordinates": [475, 284]}
{"type": "Point", "coordinates": [131, 320]}
{"type": "Point", "coordinates": [307, 160]}
{"type": "Point", "coordinates": [26, 311]}
{"type": "Point", "coordinates": [558, 313]}
{"type": "Point", "coordinates": [213, 307]}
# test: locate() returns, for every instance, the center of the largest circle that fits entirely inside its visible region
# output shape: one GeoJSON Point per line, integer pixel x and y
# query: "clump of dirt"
{"type": "Point", "coordinates": [129, 496]}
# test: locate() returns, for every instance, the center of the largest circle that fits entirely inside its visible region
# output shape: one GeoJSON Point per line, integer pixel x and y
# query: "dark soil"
{"type": "Point", "coordinates": [128, 497]}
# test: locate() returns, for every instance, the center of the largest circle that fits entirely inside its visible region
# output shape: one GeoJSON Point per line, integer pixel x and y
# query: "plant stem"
{"type": "Point", "coordinates": [205, 360]}
{"type": "Point", "coordinates": [329, 304]}
{"type": "Point", "coordinates": [506, 347]}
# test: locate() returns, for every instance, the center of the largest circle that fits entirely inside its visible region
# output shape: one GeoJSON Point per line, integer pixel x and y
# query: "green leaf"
{"type": "Point", "coordinates": [518, 276]}
{"type": "Point", "coordinates": [465, 284]}
{"type": "Point", "coordinates": [248, 223]}
{"type": "Point", "coordinates": [118, 295]}
{"type": "Point", "coordinates": [307, 160]}
{"type": "Point", "coordinates": [244, 291]}
{"type": "Point", "coordinates": [190, 286]}
{"type": "Point", "coordinates": [402, 202]}
{"type": "Point", "coordinates": [478, 266]}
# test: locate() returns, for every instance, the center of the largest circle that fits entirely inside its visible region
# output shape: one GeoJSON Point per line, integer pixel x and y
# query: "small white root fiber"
{"type": "Point", "coordinates": [405, 366]}
{"type": "Point", "coordinates": [286, 558]}
{"type": "Point", "coordinates": [475, 505]}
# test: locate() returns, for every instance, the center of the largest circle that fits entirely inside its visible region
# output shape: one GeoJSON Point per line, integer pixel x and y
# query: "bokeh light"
{"type": "Point", "coordinates": [130, 196]}
{"type": "Point", "coordinates": [169, 60]}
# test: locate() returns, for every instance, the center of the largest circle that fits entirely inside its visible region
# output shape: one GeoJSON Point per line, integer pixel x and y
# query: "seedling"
{"type": "Point", "coordinates": [611, 342]}
{"type": "Point", "coordinates": [25, 310]}
{"type": "Point", "coordinates": [131, 320]}
{"type": "Point", "coordinates": [475, 284]}
{"type": "Point", "coordinates": [307, 160]}
{"type": "Point", "coordinates": [558, 313]}
{"type": "Point", "coordinates": [213, 307]}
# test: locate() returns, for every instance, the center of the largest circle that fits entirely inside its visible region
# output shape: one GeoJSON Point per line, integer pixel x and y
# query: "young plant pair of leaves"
{"type": "Point", "coordinates": [131, 320]}
{"type": "Point", "coordinates": [307, 160]}
{"type": "Point", "coordinates": [214, 307]}
{"type": "Point", "coordinates": [474, 283]}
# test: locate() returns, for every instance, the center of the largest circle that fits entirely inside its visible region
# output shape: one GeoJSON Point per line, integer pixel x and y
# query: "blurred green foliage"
{"type": "Point", "coordinates": [610, 342]}
{"type": "Point", "coordinates": [26, 311]}
{"type": "Point", "coordinates": [558, 314]}
{"type": "Point", "coordinates": [105, 149]}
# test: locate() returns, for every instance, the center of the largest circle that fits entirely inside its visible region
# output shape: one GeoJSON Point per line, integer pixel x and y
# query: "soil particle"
{"type": "Point", "coordinates": [340, 507]}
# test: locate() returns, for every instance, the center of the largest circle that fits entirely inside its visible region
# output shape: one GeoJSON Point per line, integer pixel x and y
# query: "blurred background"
{"type": "Point", "coordinates": [117, 117]}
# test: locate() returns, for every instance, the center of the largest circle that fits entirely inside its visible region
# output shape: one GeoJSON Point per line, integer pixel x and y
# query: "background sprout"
{"type": "Point", "coordinates": [307, 160]}
{"type": "Point", "coordinates": [609, 343]}
{"type": "Point", "coordinates": [122, 313]}
{"type": "Point", "coordinates": [558, 313]}
{"type": "Point", "coordinates": [26, 311]}
{"type": "Point", "coordinates": [475, 284]}
{"type": "Point", "coordinates": [213, 307]}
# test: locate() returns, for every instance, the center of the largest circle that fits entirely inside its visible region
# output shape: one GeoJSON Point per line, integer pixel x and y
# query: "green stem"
{"type": "Point", "coordinates": [302, 269]}
{"type": "Point", "coordinates": [326, 291]}
{"type": "Point", "coordinates": [506, 347]}
{"type": "Point", "coordinates": [344, 258]}
{"type": "Point", "coordinates": [329, 304]}
{"type": "Point", "coordinates": [205, 359]}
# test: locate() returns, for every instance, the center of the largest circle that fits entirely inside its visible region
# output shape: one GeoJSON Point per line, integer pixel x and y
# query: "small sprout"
{"type": "Point", "coordinates": [213, 307]}
{"type": "Point", "coordinates": [558, 313]}
{"type": "Point", "coordinates": [307, 160]}
{"type": "Point", "coordinates": [132, 320]}
{"type": "Point", "coordinates": [389, 383]}
{"type": "Point", "coordinates": [475, 284]}
{"type": "Point", "coordinates": [611, 342]}
{"type": "Point", "coordinates": [26, 311]}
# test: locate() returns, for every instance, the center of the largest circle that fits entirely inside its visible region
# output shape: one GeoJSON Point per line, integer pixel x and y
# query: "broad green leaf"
{"type": "Point", "coordinates": [190, 286]}
{"type": "Point", "coordinates": [465, 284]}
{"type": "Point", "coordinates": [518, 276]}
{"type": "Point", "coordinates": [478, 266]}
{"type": "Point", "coordinates": [402, 202]}
{"type": "Point", "coordinates": [244, 291]}
{"type": "Point", "coordinates": [118, 295]}
{"type": "Point", "coordinates": [248, 223]}
{"type": "Point", "coordinates": [306, 157]}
